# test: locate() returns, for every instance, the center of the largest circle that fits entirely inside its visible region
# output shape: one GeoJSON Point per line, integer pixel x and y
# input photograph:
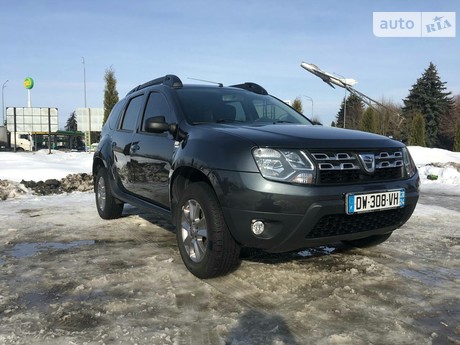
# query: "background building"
{"type": "Point", "coordinates": [89, 120]}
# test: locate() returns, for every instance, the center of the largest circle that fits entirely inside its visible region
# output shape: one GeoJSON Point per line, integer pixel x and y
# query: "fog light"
{"type": "Point", "coordinates": [257, 227]}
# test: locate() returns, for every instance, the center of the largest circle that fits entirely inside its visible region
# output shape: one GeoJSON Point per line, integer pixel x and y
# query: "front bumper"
{"type": "Point", "coordinates": [298, 216]}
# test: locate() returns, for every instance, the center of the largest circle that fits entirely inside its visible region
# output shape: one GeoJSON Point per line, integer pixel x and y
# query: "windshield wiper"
{"type": "Point", "coordinates": [283, 121]}
{"type": "Point", "coordinates": [228, 121]}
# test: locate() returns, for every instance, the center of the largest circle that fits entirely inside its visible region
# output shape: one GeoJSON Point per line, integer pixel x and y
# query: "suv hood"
{"type": "Point", "coordinates": [311, 137]}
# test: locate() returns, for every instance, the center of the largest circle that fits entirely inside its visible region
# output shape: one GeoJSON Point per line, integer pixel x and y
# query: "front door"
{"type": "Point", "coordinates": [151, 154]}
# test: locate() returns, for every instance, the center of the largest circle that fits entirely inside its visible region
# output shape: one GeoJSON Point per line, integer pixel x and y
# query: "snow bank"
{"type": "Point", "coordinates": [441, 164]}
{"type": "Point", "coordinates": [41, 166]}
{"type": "Point", "coordinates": [423, 156]}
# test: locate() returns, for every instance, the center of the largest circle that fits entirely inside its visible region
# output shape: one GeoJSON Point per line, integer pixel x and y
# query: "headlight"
{"type": "Point", "coordinates": [292, 166]}
{"type": "Point", "coordinates": [408, 163]}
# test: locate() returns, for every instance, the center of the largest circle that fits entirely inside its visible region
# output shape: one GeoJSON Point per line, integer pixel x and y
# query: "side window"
{"type": "Point", "coordinates": [131, 113]}
{"type": "Point", "coordinates": [157, 105]}
{"type": "Point", "coordinates": [115, 114]}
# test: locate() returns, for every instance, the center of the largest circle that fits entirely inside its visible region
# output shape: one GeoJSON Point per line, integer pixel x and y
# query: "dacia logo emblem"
{"type": "Point", "coordinates": [368, 162]}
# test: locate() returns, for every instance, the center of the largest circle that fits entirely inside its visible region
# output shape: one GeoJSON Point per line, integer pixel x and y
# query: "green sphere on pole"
{"type": "Point", "coordinates": [28, 83]}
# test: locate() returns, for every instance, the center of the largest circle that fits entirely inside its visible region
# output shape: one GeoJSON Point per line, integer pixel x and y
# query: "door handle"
{"type": "Point", "coordinates": [134, 148]}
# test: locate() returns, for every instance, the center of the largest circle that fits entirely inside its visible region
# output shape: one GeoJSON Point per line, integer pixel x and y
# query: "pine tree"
{"type": "Point", "coordinates": [417, 133]}
{"type": "Point", "coordinates": [369, 121]}
{"type": "Point", "coordinates": [297, 105]}
{"type": "Point", "coordinates": [428, 97]}
{"type": "Point", "coordinates": [110, 92]}
{"type": "Point", "coordinates": [333, 124]}
{"type": "Point", "coordinates": [339, 116]}
{"type": "Point", "coordinates": [71, 125]}
{"type": "Point", "coordinates": [456, 147]}
{"type": "Point", "coordinates": [449, 124]}
{"type": "Point", "coordinates": [353, 114]}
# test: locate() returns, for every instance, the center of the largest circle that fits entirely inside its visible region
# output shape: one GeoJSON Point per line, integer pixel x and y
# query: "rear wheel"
{"type": "Point", "coordinates": [108, 206]}
{"type": "Point", "coordinates": [206, 246]}
{"type": "Point", "coordinates": [369, 241]}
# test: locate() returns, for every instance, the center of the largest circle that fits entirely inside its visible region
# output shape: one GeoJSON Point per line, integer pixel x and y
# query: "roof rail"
{"type": "Point", "coordinates": [170, 80]}
{"type": "Point", "coordinates": [253, 87]}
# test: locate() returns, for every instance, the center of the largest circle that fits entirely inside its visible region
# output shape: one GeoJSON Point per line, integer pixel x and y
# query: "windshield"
{"type": "Point", "coordinates": [227, 105]}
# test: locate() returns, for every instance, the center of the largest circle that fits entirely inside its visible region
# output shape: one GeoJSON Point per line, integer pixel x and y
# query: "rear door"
{"type": "Point", "coordinates": [122, 143]}
{"type": "Point", "coordinates": [151, 154]}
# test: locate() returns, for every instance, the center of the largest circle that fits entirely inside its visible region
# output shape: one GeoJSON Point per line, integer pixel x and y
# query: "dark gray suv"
{"type": "Point", "coordinates": [235, 167]}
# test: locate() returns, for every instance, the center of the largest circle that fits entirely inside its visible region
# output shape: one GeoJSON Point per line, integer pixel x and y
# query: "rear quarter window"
{"type": "Point", "coordinates": [114, 117]}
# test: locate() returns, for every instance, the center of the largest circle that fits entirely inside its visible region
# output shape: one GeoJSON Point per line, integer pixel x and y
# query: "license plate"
{"type": "Point", "coordinates": [368, 202]}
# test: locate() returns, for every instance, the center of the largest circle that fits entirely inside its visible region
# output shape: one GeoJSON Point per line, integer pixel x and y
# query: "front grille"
{"type": "Point", "coordinates": [342, 224]}
{"type": "Point", "coordinates": [352, 166]}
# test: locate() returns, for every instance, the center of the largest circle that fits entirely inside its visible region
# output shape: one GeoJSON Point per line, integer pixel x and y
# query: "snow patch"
{"type": "Point", "coordinates": [40, 165]}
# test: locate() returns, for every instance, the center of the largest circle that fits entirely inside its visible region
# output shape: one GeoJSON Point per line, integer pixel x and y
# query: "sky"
{"type": "Point", "coordinates": [228, 42]}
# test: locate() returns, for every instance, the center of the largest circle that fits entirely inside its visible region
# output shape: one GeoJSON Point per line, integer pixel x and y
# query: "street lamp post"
{"type": "Point", "coordinates": [89, 111]}
{"type": "Point", "coordinates": [84, 77]}
{"type": "Point", "coordinates": [344, 103]}
{"type": "Point", "coordinates": [345, 109]}
{"type": "Point", "coordinates": [3, 102]}
{"type": "Point", "coordinates": [311, 100]}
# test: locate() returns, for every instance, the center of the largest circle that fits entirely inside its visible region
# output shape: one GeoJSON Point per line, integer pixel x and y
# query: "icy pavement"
{"type": "Point", "coordinates": [69, 277]}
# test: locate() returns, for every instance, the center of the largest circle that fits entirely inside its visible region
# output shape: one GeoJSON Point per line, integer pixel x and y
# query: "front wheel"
{"type": "Point", "coordinates": [369, 241]}
{"type": "Point", "coordinates": [107, 205]}
{"type": "Point", "coordinates": [206, 246]}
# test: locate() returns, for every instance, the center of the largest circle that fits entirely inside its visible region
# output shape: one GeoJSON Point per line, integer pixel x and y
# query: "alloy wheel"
{"type": "Point", "coordinates": [194, 230]}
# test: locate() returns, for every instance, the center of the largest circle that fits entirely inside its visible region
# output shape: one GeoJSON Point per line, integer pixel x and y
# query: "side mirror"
{"type": "Point", "coordinates": [156, 124]}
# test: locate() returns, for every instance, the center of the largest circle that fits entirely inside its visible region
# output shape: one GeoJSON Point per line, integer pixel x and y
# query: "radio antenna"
{"type": "Point", "coordinates": [207, 81]}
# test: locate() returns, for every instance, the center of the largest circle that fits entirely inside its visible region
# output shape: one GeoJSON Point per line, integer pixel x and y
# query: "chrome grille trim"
{"type": "Point", "coordinates": [333, 161]}
{"type": "Point", "coordinates": [342, 166]}
{"type": "Point", "coordinates": [341, 156]}
{"type": "Point", "coordinates": [345, 166]}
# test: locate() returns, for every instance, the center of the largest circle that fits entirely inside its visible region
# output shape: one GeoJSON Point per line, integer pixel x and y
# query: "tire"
{"type": "Point", "coordinates": [107, 205]}
{"type": "Point", "coordinates": [205, 244]}
{"type": "Point", "coordinates": [369, 241]}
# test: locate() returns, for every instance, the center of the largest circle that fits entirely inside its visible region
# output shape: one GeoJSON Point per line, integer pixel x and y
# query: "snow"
{"type": "Point", "coordinates": [42, 166]}
{"type": "Point", "coordinates": [424, 156]}
{"type": "Point", "coordinates": [443, 164]}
